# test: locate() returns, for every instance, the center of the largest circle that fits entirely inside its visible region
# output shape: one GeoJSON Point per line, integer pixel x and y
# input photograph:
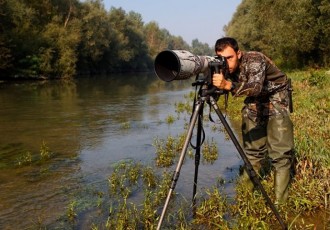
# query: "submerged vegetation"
{"type": "Point", "coordinates": [28, 158]}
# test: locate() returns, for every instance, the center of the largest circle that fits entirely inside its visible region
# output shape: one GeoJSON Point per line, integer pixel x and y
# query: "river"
{"type": "Point", "coordinates": [61, 139]}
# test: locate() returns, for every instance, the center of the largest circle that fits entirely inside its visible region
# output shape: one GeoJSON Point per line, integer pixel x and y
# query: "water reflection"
{"type": "Point", "coordinates": [88, 124]}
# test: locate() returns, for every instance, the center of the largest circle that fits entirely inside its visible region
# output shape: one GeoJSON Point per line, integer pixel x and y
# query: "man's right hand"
{"type": "Point", "coordinates": [220, 82]}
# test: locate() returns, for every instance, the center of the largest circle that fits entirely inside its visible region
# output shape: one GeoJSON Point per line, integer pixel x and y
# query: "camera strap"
{"type": "Point", "coordinates": [199, 123]}
{"type": "Point", "coordinates": [216, 97]}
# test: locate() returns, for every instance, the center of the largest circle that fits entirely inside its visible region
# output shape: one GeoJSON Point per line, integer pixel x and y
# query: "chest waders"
{"type": "Point", "coordinates": [269, 136]}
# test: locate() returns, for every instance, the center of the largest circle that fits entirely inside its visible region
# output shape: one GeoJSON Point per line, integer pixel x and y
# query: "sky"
{"type": "Point", "coordinates": [191, 19]}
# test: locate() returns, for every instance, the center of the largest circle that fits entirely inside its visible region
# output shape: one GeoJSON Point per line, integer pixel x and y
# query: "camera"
{"type": "Point", "coordinates": [181, 64]}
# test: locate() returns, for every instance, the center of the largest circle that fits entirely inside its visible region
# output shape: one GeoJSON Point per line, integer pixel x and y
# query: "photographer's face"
{"type": "Point", "coordinates": [232, 57]}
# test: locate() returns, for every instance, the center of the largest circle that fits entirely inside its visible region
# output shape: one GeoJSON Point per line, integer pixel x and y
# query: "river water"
{"type": "Point", "coordinates": [61, 139]}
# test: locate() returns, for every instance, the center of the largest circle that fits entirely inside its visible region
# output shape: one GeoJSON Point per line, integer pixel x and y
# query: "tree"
{"type": "Point", "coordinates": [199, 48]}
{"type": "Point", "coordinates": [139, 59]}
{"type": "Point", "coordinates": [324, 25]}
{"type": "Point", "coordinates": [21, 37]}
{"type": "Point", "coordinates": [155, 38]}
{"type": "Point", "coordinates": [61, 37]}
{"type": "Point", "coordinates": [177, 43]}
{"type": "Point", "coordinates": [60, 58]}
{"type": "Point", "coordinates": [97, 37]}
{"type": "Point", "coordinates": [6, 57]}
{"type": "Point", "coordinates": [288, 31]}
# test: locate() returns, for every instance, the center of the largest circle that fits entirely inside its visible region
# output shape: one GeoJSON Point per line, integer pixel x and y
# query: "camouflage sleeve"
{"type": "Point", "coordinates": [252, 76]}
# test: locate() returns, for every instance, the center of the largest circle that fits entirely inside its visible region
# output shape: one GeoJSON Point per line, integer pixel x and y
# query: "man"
{"type": "Point", "coordinates": [266, 126]}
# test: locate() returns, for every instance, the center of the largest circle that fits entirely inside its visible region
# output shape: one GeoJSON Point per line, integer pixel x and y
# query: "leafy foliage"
{"type": "Point", "coordinates": [65, 38]}
{"type": "Point", "coordinates": [294, 33]}
{"type": "Point", "coordinates": [60, 38]}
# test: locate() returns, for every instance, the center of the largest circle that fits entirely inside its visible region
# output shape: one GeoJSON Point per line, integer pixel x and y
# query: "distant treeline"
{"type": "Point", "coordinates": [66, 38]}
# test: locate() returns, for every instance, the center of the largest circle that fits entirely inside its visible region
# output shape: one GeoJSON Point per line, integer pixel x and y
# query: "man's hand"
{"type": "Point", "coordinates": [220, 82]}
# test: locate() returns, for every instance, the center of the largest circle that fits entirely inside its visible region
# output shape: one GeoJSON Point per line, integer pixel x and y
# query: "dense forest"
{"type": "Point", "coordinates": [66, 38]}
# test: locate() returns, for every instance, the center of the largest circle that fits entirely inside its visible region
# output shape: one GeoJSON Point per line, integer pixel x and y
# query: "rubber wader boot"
{"type": "Point", "coordinates": [281, 185]}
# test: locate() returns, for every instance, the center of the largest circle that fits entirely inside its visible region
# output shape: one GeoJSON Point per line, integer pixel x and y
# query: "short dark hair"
{"type": "Point", "coordinates": [222, 43]}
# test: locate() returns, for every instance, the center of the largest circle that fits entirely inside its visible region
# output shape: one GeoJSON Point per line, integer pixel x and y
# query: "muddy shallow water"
{"type": "Point", "coordinates": [60, 141]}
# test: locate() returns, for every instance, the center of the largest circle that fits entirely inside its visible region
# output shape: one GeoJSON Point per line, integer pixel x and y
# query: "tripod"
{"type": "Point", "coordinates": [204, 95]}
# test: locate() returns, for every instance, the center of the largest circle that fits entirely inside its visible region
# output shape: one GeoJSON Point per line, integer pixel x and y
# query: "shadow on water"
{"type": "Point", "coordinates": [86, 125]}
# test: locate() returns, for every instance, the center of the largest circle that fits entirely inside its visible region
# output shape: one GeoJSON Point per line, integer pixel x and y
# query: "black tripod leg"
{"type": "Point", "coordinates": [250, 170]}
{"type": "Point", "coordinates": [198, 107]}
{"type": "Point", "coordinates": [197, 156]}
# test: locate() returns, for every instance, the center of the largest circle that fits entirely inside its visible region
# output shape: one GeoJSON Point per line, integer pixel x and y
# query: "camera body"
{"type": "Point", "coordinates": [217, 65]}
{"type": "Point", "coordinates": [181, 64]}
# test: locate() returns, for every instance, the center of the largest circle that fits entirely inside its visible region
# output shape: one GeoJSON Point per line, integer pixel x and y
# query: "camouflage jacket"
{"type": "Point", "coordinates": [264, 85]}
